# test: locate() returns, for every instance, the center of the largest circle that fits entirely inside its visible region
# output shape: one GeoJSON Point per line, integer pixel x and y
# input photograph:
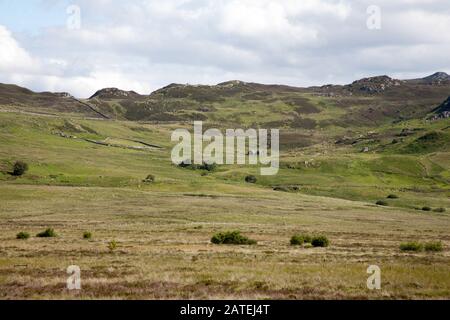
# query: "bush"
{"type": "Point", "coordinates": [392, 196]}
{"type": "Point", "coordinates": [307, 238]}
{"type": "Point", "coordinates": [150, 179]}
{"type": "Point", "coordinates": [208, 166]}
{"type": "Point", "coordinates": [23, 235]}
{"type": "Point", "coordinates": [233, 237]}
{"type": "Point", "coordinates": [250, 179]}
{"type": "Point", "coordinates": [441, 210]}
{"type": "Point", "coordinates": [434, 246]}
{"type": "Point", "coordinates": [49, 233]}
{"type": "Point", "coordinates": [112, 245]}
{"type": "Point", "coordinates": [426, 209]}
{"type": "Point", "coordinates": [381, 203]}
{"type": "Point", "coordinates": [204, 166]}
{"type": "Point", "coordinates": [87, 235]}
{"type": "Point", "coordinates": [299, 239]}
{"type": "Point", "coordinates": [411, 246]}
{"type": "Point", "coordinates": [320, 241]}
{"type": "Point", "coordinates": [19, 168]}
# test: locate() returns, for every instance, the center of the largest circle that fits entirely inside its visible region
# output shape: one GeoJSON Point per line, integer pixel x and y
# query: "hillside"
{"type": "Point", "coordinates": [14, 98]}
{"type": "Point", "coordinates": [90, 173]}
{"type": "Point", "coordinates": [368, 102]}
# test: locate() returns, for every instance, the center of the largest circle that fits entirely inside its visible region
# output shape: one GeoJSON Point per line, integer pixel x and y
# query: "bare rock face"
{"type": "Point", "coordinates": [373, 85]}
{"type": "Point", "coordinates": [114, 93]}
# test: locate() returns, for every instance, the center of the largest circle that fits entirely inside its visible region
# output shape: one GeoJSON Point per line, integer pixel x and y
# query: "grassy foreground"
{"type": "Point", "coordinates": [163, 229]}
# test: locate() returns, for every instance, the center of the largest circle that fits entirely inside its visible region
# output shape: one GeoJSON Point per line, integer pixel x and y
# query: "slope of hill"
{"type": "Point", "coordinates": [368, 102]}
{"type": "Point", "coordinates": [15, 98]}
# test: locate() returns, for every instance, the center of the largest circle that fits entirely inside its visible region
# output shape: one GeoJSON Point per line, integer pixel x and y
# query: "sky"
{"type": "Point", "coordinates": [81, 46]}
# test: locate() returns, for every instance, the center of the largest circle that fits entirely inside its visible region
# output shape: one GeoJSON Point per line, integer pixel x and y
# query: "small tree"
{"type": "Point", "coordinates": [250, 179]}
{"type": "Point", "coordinates": [20, 168]}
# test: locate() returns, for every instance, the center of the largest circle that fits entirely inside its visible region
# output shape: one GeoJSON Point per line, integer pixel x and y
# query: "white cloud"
{"type": "Point", "coordinates": [146, 44]}
{"type": "Point", "coordinates": [13, 58]}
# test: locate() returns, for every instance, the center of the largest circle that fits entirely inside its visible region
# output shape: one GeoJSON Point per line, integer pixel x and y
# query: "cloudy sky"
{"type": "Point", "coordinates": [143, 45]}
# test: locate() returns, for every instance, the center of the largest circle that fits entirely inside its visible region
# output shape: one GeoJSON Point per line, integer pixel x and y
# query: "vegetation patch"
{"type": "Point", "coordinates": [112, 245]}
{"type": "Point", "coordinates": [87, 235]}
{"type": "Point", "coordinates": [23, 236]}
{"type": "Point", "coordinates": [300, 239]}
{"type": "Point", "coordinates": [49, 233]}
{"type": "Point", "coordinates": [150, 179]}
{"type": "Point", "coordinates": [392, 196]}
{"type": "Point", "coordinates": [19, 168]}
{"type": "Point", "coordinates": [434, 246]}
{"type": "Point", "coordinates": [251, 179]}
{"type": "Point", "coordinates": [382, 203]}
{"type": "Point", "coordinates": [320, 241]}
{"type": "Point", "coordinates": [411, 246]}
{"type": "Point", "coordinates": [232, 237]}
{"type": "Point", "coordinates": [205, 166]}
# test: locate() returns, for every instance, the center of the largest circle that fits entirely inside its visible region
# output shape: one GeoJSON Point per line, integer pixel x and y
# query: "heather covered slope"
{"type": "Point", "coordinates": [367, 102]}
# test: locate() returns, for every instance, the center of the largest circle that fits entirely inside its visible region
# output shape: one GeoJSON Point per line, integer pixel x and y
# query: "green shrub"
{"type": "Point", "coordinates": [381, 203]}
{"type": "Point", "coordinates": [307, 238]}
{"type": "Point", "coordinates": [299, 239]}
{"type": "Point", "coordinates": [112, 245]}
{"type": "Point", "coordinates": [233, 237]}
{"type": "Point", "coordinates": [426, 209]}
{"type": "Point", "coordinates": [411, 246]}
{"type": "Point", "coordinates": [204, 166]}
{"type": "Point", "coordinates": [49, 233]}
{"type": "Point", "coordinates": [320, 241]}
{"type": "Point", "coordinates": [19, 168]}
{"type": "Point", "coordinates": [23, 235]}
{"type": "Point", "coordinates": [251, 179]}
{"type": "Point", "coordinates": [441, 210]}
{"type": "Point", "coordinates": [434, 246]}
{"type": "Point", "coordinates": [392, 196]}
{"type": "Point", "coordinates": [87, 235]}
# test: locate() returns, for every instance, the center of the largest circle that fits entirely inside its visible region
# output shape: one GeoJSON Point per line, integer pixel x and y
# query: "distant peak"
{"type": "Point", "coordinates": [438, 76]}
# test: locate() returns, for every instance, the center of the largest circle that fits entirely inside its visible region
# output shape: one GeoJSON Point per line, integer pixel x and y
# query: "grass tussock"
{"type": "Point", "coordinates": [23, 236]}
{"type": "Point", "coordinates": [49, 233]}
{"type": "Point", "coordinates": [435, 246]}
{"type": "Point", "coordinates": [87, 235]}
{"type": "Point", "coordinates": [411, 246]}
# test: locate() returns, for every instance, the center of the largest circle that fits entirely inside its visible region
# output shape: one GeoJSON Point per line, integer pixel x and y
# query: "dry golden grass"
{"type": "Point", "coordinates": [164, 250]}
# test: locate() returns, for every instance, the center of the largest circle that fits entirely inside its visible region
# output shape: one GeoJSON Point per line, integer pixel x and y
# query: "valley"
{"type": "Point", "coordinates": [360, 163]}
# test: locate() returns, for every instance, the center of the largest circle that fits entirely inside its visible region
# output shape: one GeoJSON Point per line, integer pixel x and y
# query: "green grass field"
{"type": "Point", "coordinates": [163, 229]}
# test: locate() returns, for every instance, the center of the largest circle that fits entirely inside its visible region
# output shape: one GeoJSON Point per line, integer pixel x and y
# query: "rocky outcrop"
{"type": "Point", "coordinates": [114, 93]}
{"type": "Point", "coordinates": [373, 85]}
{"type": "Point", "coordinates": [443, 111]}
